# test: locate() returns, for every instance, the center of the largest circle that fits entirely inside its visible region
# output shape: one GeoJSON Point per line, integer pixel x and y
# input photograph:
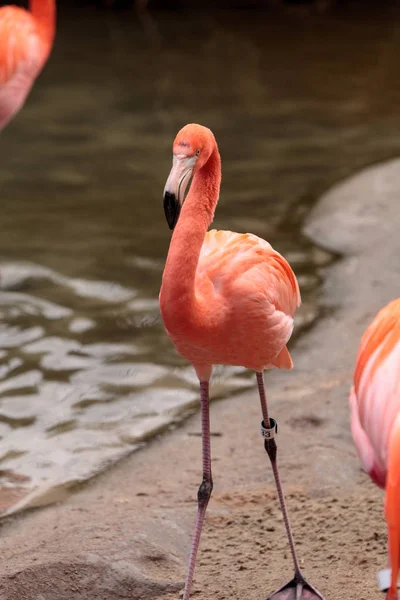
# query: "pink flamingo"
{"type": "Point", "coordinates": [375, 418]}
{"type": "Point", "coordinates": [26, 39]}
{"type": "Point", "coordinates": [226, 298]}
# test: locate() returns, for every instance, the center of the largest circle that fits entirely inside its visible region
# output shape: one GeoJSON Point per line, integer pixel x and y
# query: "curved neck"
{"type": "Point", "coordinates": [44, 12]}
{"type": "Point", "coordinates": [196, 216]}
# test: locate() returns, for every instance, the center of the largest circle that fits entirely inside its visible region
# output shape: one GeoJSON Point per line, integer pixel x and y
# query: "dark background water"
{"type": "Point", "coordinates": [297, 99]}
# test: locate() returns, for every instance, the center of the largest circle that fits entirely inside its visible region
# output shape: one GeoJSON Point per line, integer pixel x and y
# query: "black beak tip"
{"type": "Point", "coordinates": [172, 209]}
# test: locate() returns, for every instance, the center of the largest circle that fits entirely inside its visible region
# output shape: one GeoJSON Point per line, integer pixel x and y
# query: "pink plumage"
{"type": "Point", "coordinates": [247, 296]}
{"type": "Point", "coordinates": [375, 416]}
{"type": "Point", "coordinates": [375, 395]}
{"type": "Point", "coordinates": [26, 39]}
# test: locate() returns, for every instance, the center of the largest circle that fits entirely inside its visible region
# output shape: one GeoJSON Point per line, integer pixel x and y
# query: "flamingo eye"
{"type": "Point", "coordinates": [198, 152]}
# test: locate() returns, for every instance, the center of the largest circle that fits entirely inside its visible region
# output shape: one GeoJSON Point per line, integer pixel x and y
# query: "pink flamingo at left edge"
{"type": "Point", "coordinates": [226, 298]}
{"type": "Point", "coordinates": [375, 418]}
{"type": "Point", "coordinates": [26, 39]}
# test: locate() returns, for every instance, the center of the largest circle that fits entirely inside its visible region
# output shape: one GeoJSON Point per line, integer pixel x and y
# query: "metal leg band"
{"type": "Point", "coordinates": [268, 433]}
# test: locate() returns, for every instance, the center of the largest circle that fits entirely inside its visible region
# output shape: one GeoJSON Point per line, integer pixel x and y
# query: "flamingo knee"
{"type": "Point", "coordinates": [204, 493]}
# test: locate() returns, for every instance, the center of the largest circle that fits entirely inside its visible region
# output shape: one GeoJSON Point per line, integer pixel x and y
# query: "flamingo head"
{"type": "Point", "coordinates": [192, 148]}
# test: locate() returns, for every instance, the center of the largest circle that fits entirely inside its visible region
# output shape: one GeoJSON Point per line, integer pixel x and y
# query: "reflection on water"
{"type": "Point", "coordinates": [86, 371]}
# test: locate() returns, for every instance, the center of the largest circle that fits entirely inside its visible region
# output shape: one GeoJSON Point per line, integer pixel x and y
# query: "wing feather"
{"type": "Point", "coordinates": [18, 42]}
{"type": "Point", "coordinates": [376, 387]}
{"type": "Point", "coordinates": [228, 257]}
{"type": "Point", "coordinates": [246, 298]}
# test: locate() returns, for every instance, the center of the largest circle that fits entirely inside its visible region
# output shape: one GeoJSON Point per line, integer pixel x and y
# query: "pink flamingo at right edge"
{"type": "Point", "coordinates": [375, 418]}
{"type": "Point", "coordinates": [26, 39]}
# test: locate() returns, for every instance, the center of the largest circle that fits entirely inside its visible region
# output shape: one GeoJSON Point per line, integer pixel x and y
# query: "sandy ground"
{"type": "Point", "coordinates": [127, 533]}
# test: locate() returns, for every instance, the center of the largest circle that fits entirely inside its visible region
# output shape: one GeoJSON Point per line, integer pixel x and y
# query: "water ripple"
{"type": "Point", "coordinates": [76, 391]}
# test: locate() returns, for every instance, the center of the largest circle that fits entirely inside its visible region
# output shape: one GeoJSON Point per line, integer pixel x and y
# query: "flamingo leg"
{"type": "Point", "coordinates": [205, 489]}
{"type": "Point", "coordinates": [297, 588]}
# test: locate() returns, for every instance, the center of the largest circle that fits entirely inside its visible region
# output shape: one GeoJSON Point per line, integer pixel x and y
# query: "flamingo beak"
{"type": "Point", "coordinates": [175, 188]}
